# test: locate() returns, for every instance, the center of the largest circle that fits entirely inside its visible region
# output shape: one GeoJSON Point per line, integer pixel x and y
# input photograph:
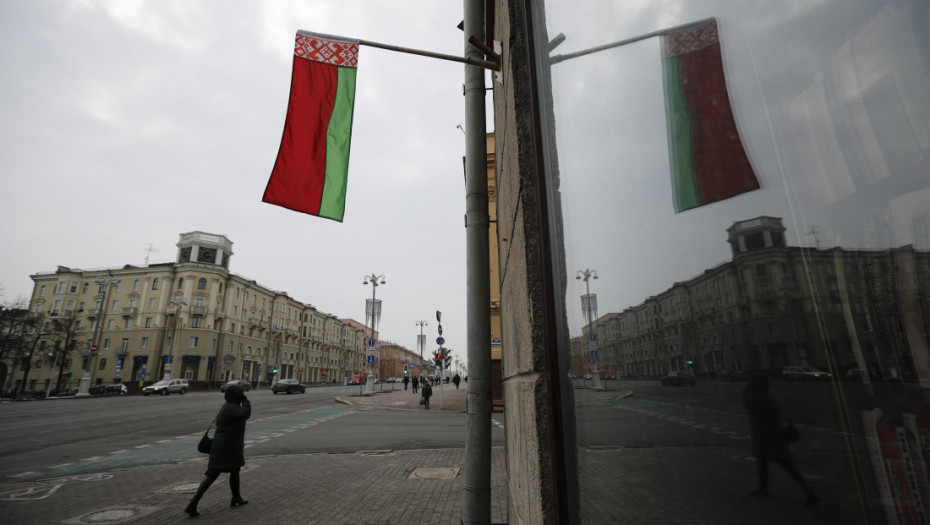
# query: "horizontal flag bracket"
{"type": "Point", "coordinates": [493, 64]}
{"type": "Point", "coordinates": [603, 47]}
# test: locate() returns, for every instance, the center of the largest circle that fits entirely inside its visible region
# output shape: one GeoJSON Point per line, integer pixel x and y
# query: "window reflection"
{"type": "Point", "coordinates": [818, 281]}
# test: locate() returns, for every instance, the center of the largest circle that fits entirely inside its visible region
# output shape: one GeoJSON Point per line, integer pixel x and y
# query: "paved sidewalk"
{"type": "Point", "coordinates": [366, 487]}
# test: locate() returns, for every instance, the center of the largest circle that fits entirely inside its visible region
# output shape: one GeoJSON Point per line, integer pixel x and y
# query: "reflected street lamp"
{"type": "Point", "coordinates": [589, 307]}
{"type": "Point", "coordinates": [373, 312]}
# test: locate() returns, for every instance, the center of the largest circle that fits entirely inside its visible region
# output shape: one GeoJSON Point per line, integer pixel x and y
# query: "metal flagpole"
{"type": "Point", "coordinates": [477, 476]}
{"type": "Point", "coordinates": [480, 62]}
{"type": "Point", "coordinates": [567, 56]}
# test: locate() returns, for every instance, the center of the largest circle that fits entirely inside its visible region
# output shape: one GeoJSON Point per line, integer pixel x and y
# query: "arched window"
{"type": "Point", "coordinates": [155, 284]}
{"type": "Point", "coordinates": [202, 284]}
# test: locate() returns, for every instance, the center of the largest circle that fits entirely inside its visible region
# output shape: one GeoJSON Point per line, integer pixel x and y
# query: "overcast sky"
{"type": "Point", "coordinates": [125, 123]}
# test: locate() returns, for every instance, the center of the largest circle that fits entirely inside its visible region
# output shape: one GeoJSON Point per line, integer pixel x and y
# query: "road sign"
{"type": "Point", "coordinates": [440, 340]}
{"type": "Point", "coordinates": [93, 349]}
{"type": "Point", "coordinates": [371, 342]}
{"type": "Point", "coordinates": [117, 374]}
{"type": "Point", "coordinates": [440, 329]}
{"type": "Point", "coordinates": [371, 359]}
{"type": "Point", "coordinates": [592, 337]}
{"type": "Point", "coordinates": [594, 354]}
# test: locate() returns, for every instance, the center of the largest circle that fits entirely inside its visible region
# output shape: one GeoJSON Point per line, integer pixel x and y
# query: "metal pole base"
{"type": "Point", "coordinates": [84, 386]}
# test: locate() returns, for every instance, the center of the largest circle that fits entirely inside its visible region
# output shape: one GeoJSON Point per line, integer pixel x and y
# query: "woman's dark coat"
{"type": "Point", "coordinates": [768, 435]}
{"type": "Point", "coordinates": [426, 391]}
{"type": "Point", "coordinates": [226, 454]}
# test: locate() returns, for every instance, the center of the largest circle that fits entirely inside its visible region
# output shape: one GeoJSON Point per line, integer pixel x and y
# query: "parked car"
{"type": "Point", "coordinates": [856, 374]}
{"type": "Point", "coordinates": [167, 386]}
{"type": "Point", "coordinates": [238, 382]}
{"type": "Point", "coordinates": [109, 390]}
{"type": "Point", "coordinates": [732, 375]}
{"type": "Point", "coordinates": [679, 378]}
{"type": "Point", "coordinates": [358, 379]}
{"type": "Point", "coordinates": [804, 373]}
{"type": "Point", "coordinates": [288, 386]}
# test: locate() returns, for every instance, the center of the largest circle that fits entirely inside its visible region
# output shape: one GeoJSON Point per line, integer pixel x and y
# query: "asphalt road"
{"type": "Point", "coordinates": [79, 436]}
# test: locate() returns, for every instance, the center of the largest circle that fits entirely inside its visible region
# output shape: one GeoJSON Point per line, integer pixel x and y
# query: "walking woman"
{"type": "Point", "coordinates": [768, 438]}
{"type": "Point", "coordinates": [226, 453]}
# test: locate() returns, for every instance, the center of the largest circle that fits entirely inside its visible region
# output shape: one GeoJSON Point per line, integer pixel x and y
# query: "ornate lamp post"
{"type": "Point", "coordinates": [589, 307]}
{"type": "Point", "coordinates": [421, 339]}
{"type": "Point", "coordinates": [372, 312]}
{"type": "Point", "coordinates": [177, 302]}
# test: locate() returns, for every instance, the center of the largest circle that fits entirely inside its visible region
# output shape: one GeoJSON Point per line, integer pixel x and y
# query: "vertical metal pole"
{"type": "Point", "coordinates": [476, 507]}
{"type": "Point", "coordinates": [84, 385]}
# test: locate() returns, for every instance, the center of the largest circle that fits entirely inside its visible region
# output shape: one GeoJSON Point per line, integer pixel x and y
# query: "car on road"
{"type": "Point", "coordinates": [679, 378]}
{"type": "Point", "coordinates": [288, 386]}
{"type": "Point", "coordinates": [358, 379]}
{"type": "Point", "coordinates": [732, 375]}
{"type": "Point", "coordinates": [804, 373]}
{"type": "Point", "coordinates": [237, 382]}
{"type": "Point", "coordinates": [167, 386]}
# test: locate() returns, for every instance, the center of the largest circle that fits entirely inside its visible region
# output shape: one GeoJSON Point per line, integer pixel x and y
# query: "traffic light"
{"type": "Point", "coordinates": [437, 357]}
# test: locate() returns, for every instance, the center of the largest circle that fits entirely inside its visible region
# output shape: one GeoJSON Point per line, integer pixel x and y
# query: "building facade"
{"type": "Point", "coordinates": [192, 319]}
{"type": "Point", "coordinates": [775, 305]}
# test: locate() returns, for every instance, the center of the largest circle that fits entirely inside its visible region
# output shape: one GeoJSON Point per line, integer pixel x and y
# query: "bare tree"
{"type": "Point", "coordinates": [62, 334]}
{"type": "Point", "coordinates": [19, 335]}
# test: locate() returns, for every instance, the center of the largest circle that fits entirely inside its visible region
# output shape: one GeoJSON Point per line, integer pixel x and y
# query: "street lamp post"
{"type": "Point", "coordinates": [589, 306]}
{"type": "Point", "coordinates": [177, 302]}
{"type": "Point", "coordinates": [421, 340]}
{"type": "Point", "coordinates": [104, 282]}
{"type": "Point", "coordinates": [374, 312]}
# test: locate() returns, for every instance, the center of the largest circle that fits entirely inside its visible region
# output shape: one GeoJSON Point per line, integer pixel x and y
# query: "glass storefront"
{"type": "Point", "coordinates": [742, 190]}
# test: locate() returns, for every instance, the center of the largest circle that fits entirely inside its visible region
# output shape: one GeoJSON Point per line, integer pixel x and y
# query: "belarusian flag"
{"type": "Point", "coordinates": [707, 159]}
{"type": "Point", "coordinates": [311, 171]}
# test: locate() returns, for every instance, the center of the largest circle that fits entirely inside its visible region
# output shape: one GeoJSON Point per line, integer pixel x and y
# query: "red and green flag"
{"type": "Point", "coordinates": [311, 171]}
{"type": "Point", "coordinates": [706, 156]}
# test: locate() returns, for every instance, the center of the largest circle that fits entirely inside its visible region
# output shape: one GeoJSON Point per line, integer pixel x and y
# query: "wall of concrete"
{"type": "Point", "coordinates": [531, 440]}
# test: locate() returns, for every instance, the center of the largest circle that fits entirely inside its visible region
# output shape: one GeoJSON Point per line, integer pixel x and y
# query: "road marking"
{"type": "Point", "coordinates": [184, 448]}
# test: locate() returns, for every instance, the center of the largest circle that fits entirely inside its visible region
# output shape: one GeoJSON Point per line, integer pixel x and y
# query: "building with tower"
{"type": "Point", "coordinates": [192, 319]}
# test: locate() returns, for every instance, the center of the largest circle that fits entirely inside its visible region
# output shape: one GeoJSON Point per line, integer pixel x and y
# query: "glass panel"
{"type": "Point", "coordinates": [745, 207]}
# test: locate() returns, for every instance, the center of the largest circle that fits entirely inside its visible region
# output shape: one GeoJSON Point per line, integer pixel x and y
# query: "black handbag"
{"type": "Point", "coordinates": [206, 442]}
{"type": "Point", "coordinates": [791, 433]}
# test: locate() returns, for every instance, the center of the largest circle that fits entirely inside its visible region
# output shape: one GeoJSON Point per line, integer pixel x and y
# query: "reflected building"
{"type": "Point", "coordinates": [774, 305]}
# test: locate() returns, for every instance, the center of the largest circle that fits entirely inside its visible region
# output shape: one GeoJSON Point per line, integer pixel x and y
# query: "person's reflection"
{"type": "Point", "coordinates": [768, 438]}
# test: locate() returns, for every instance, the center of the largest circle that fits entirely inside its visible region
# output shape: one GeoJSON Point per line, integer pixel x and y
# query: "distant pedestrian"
{"type": "Point", "coordinates": [427, 393]}
{"type": "Point", "coordinates": [416, 383]}
{"type": "Point", "coordinates": [226, 453]}
{"type": "Point", "coordinates": [406, 380]}
{"type": "Point", "coordinates": [456, 380]}
{"type": "Point", "coordinates": [768, 438]}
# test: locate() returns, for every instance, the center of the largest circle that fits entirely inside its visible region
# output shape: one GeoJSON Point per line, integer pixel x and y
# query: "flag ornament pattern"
{"type": "Point", "coordinates": [707, 159]}
{"type": "Point", "coordinates": [310, 174]}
